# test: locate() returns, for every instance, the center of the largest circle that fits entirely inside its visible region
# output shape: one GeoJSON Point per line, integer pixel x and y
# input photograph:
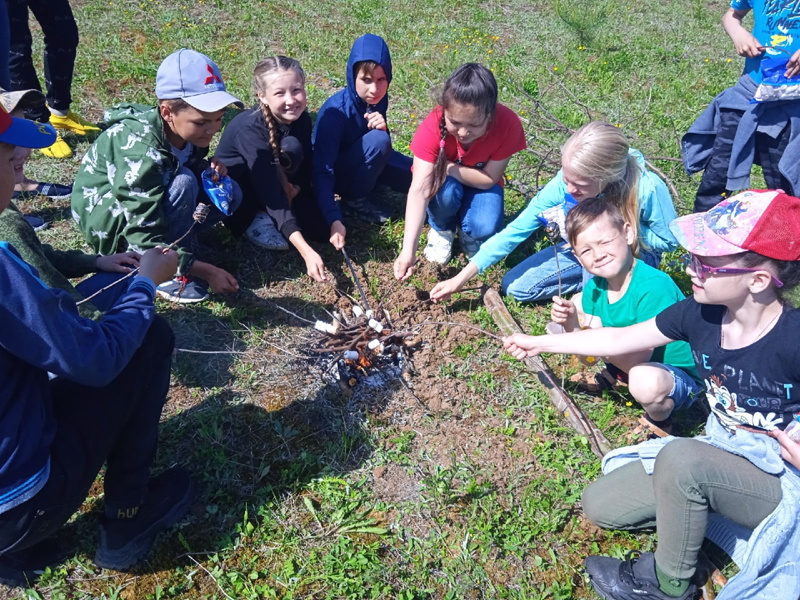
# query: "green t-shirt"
{"type": "Point", "coordinates": [649, 292]}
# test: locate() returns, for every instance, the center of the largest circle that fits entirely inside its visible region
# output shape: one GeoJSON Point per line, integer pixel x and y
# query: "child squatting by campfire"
{"type": "Point", "coordinates": [58, 426]}
{"type": "Point", "coordinates": [625, 291]}
{"type": "Point", "coordinates": [745, 255]}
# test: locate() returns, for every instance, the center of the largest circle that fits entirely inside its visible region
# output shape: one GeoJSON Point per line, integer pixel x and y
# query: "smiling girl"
{"type": "Point", "coordinates": [268, 152]}
{"type": "Point", "coordinates": [595, 160]}
{"type": "Point", "coordinates": [461, 151]}
{"type": "Point", "coordinates": [743, 338]}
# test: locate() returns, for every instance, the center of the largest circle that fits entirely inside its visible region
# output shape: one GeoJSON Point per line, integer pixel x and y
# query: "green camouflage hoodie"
{"type": "Point", "coordinates": [116, 198]}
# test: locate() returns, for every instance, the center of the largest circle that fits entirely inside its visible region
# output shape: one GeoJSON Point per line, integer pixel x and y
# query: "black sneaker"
{"type": "Point", "coordinates": [183, 290]}
{"type": "Point", "coordinates": [22, 568]}
{"type": "Point", "coordinates": [37, 223]}
{"type": "Point", "coordinates": [125, 542]}
{"type": "Point", "coordinates": [364, 209]}
{"type": "Point", "coordinates": [631, 579]}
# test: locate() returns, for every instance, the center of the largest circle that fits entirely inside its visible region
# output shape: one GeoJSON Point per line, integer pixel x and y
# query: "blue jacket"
{"type": "Point", "coordinates": [770, 118]}
{"type": "Point", "coordinates": [341, 123]}
{"type": "Point", "coordinates": [656, 211]}
{"type": "Point", "coordinates": [42, 333]}
{"type": "Point", "coordinates": [768, 559]}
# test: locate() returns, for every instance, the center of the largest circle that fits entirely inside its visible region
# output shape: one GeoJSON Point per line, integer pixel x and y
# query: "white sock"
{"type": "Point", "coordinates": [58, 113]}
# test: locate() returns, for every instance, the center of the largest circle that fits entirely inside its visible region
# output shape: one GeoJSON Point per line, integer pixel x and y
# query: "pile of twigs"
{"type": "Point", "coordinates": [362, 340]}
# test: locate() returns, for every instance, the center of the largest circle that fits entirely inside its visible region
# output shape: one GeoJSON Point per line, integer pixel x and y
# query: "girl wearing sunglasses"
{"type": "Point", "coordinates": [743, 336]}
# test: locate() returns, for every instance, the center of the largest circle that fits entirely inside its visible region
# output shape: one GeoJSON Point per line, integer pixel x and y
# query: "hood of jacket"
{"type": "Point", "coordinates": [368, 47]}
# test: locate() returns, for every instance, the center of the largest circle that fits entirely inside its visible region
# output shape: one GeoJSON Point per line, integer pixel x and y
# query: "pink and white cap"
{"type": "Point", "coordinates": [762, 221]}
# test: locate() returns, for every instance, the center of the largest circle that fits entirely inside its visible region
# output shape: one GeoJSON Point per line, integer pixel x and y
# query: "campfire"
{"type": "Point", "coordinates": [361, 342]}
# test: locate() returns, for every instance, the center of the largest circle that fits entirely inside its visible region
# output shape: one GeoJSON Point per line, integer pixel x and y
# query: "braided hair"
{"type": "Point", "coordinates": [472, 84]}
{"type": "Point", "coordinates": [265, 68]}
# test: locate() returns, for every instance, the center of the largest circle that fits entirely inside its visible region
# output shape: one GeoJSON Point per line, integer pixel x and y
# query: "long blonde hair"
{"type": "Point", "coordinates": [265, 68]}
{"type": "Point", "coordinates": [599, 151]}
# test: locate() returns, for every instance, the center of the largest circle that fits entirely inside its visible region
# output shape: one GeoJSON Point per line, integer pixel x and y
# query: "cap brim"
{"type": "Point", "coordinates": [698, 238]}
{"type": "Point", "coordinates": [212, 101]}
{"type": "Point", "coordinates": [23, 99]}
{"type": "Point", "coordinates": [28, 134]}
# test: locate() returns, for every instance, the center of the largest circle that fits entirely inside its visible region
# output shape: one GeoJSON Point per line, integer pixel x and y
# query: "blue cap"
{"type": "Point", "coordinates": [193, 77]}
{"type": "Point", "coordinates": [25, 133]}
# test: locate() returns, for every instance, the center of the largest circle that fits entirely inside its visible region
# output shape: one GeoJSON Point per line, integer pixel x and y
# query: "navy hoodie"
{"type": "Point", "coordinates": [43, 333]}
{"type": "Point", "coordinates": [340, 121]}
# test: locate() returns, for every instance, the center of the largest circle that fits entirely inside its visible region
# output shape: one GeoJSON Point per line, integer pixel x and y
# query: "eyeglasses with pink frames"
{"type": "Point", "coordinates": [702, 269]}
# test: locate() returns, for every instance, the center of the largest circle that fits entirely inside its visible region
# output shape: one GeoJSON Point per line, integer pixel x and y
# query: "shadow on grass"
{"type": "Point", "coordinates": [245, 460]}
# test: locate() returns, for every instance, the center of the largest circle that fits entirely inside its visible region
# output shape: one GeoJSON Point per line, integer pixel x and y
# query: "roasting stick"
{"type": "Point", "coordinates": [355, 278]}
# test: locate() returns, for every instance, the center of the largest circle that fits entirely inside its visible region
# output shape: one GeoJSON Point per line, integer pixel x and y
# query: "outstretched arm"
{"type": "Point", "coordinates": [589, 342]}
{"type": "Point", "coordinates": [419, 194]}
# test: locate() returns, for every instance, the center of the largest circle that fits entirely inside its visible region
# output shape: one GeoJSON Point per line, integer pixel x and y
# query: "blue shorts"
{"type": "Point", "coordinates": [685, 389]}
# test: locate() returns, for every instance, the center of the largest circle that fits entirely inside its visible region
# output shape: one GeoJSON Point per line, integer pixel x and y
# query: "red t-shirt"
{"type": "Point", "coordinates": [504, 138]}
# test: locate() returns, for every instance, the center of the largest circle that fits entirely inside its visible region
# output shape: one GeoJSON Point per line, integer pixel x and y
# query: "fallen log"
{"type": "Point", "coordinates": [558, 397]}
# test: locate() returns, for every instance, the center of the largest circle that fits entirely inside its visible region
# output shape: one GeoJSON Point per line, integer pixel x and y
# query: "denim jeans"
{"type": "Point", "coordinates": [768, 153]}
{"type": "Point", "coordinates": [183, 195]}
{"type": "Point", "coordinates": [116, 424]}
{"type": "Point", "coordinates": [60, 46]}
{"type": "Point", "coordinates": [535, 279]}
{"type": "Point", "coordinates": [368, 162]}
{"type": "Point", "coordinates": [478, 213]}
{"type": "Point", "coordinates": [690, 479]}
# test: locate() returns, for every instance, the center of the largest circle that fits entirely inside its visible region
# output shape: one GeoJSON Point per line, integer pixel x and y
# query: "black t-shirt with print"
{"type": "Point", "coordinates": [758, 385]}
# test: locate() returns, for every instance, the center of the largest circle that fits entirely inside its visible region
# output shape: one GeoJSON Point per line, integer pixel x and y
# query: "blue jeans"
{"type": "Point", "coordinates": [685, 389]}
{"type": "Point", "coordinates": [183, 195]}
{"type": "Point", "coordinates": [479, 213]}
{"type": "Point", "coordinates": [536, 278]}
{"type": "Point", "coordinates": [369, 161]}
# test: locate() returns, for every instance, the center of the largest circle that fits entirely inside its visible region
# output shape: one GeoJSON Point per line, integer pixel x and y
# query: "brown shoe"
{"type": "Point", "coordinates": [594, 383]}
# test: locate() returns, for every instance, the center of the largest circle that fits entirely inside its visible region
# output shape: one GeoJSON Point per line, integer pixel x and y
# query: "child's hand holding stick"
{"type": "Point", "coordinates": [521, 346]}
{"type": "Point", "coordinates": [565, 313]}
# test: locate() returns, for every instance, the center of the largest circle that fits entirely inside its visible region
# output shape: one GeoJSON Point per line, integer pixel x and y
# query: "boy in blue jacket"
{"type": "Point", "coordinates": [352, 146]}
{"type": "Point", "coordinates": [76, 394]}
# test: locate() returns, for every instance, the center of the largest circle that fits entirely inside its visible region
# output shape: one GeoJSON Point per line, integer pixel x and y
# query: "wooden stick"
{"type": "Point", "coordinates": [558, 397]}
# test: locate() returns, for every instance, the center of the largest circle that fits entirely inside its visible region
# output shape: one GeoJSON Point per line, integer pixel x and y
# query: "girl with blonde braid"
{"type": "Point", "coordinates": [268, 152]}
{"type": "Point", "coordinates": [461, 151]}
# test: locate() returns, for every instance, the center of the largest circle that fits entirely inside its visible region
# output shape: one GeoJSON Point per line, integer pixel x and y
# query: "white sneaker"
{"type": "Point", "coordinates": [440, 246]}
{"type": "Point", "coordinates": [262, 232]}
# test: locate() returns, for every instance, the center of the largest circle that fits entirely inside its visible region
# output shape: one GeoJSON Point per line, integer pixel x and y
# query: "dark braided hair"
{"type": "Point", "coordinates": [474, 85]}
{"type": "Point", "coordinates": [266, 67]}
